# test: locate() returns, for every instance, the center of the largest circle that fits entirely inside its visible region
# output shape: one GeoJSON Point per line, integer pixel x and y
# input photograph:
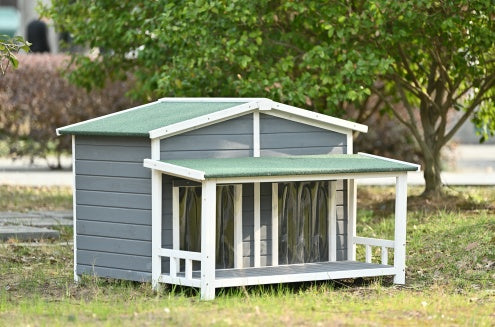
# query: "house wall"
{"type": "Point", "coordinates": [113, 207]}
{"type": "Point", "coordinates": [113, 189]}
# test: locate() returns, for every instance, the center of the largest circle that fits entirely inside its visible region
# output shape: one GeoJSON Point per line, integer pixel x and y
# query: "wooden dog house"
{"type": "Point", "coordinates": [219, 192]}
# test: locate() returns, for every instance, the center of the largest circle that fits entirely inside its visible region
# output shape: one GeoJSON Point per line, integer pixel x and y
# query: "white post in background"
{"type": "Point", "coordinates": [208, 227]}
{"type": "Point", "coordinates": [238, 255]}
{"type": "Point", "coordinates": [257, 225]}
{"type": "Point", "coordinates": [77, 279]}
{"type": "Point", "coordinates": [156, 217]}
{"type": "Point", "coordinates": [332, 221]}
{"type": "Point", "coordinates": [175, 263]}
{"type": "Point", "coordinates": [400, 229]}
{"type": "Point", "coordinates": [274, 224]}
{"type": "Point", "coordinates": [351, 219]}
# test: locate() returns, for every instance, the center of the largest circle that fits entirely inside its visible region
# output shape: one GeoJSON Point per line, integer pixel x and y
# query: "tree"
{"type": "Point", "coordinates": [432, 57]}
{"type": "Point", "coordinates": [8, 49]}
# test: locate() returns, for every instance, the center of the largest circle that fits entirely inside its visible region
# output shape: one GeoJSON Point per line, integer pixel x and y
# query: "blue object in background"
{"type": "Point", "coordinates": [10, 20]}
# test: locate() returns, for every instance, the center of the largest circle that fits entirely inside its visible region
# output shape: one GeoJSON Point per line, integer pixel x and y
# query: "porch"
{"type": "Point", "coordinates": [328, 168]}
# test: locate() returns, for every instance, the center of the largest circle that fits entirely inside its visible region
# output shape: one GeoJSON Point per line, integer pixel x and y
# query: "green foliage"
{"type": "Point", "coordinates": [8, 49]}
{"type": "Point", "coordinates": [432, 57]}
{"type": "Point", "coordinates": [285, 51]}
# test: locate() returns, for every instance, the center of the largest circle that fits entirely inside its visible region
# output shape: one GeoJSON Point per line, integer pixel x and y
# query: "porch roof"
{"type": "Point", "coordinates": [201, 169]}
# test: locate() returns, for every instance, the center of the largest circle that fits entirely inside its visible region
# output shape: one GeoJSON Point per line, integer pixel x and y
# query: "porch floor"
{"type": "Point", "coordinates": [296, 273]}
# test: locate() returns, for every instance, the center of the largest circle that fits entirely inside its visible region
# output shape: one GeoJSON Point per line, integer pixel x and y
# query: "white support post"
{"type": "Point", "coordinates": [256, 134]}
{"type": "Point", "coordinates": [332, 220]}
{"type": "Point", "coordinates": [175, 263]}
{"type": "Point", "coordinates": [238, 255]}
{"type": "Point", "coordinates": [351, 219]}
{"type": "Point", "coordinates": [257, 225]}
{"type": "Point", "coordinates": [77, 279]}
{"type": "Point", "coordinates": [274, 224]}
{"type": "Point", "coordinates": [208, 227]}
{"type": "Point", "coordinates": [400, 229]}
{"type": "Point", "coordinates": [156, 218]}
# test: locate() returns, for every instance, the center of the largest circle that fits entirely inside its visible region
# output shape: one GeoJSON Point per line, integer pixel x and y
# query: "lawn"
{"type": "Point", "coordinates": [450, 279]}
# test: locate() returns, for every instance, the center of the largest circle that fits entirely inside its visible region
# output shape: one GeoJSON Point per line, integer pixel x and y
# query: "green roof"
{"type": "Point", "coordinates": [140, 121]}
{"type": "Point", "coordinates": [293, 165]}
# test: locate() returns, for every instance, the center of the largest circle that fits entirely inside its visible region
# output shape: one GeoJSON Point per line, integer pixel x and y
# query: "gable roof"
{"type": "Point", "coordinates": [170, 116]}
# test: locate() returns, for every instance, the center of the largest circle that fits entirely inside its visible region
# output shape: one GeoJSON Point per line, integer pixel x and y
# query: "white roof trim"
{"type": "Point", "coordinates": [174, 170]}
{"type": "Point", "coordinates": [320, 117]}
{"type": "Point", "coordinates": [105, 116]}
{"type": "Point", "coordinates": [263, 105]}
{"type": "Point", "coordinates": [204, 120]}
{"type": "Point", "coordinates": [418, 167]}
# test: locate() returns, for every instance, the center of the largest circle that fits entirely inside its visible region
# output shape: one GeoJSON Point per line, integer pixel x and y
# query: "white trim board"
{"type": "Point", "coordinates": [203, 121]}
{"type": "Point", "coordinates": [256, 105]}
{"type": "Point", "coordinates": [174, 170]}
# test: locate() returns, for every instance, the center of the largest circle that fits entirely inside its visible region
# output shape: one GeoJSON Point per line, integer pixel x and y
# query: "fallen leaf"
{"type": "Point", "coordinates": [471, 246]}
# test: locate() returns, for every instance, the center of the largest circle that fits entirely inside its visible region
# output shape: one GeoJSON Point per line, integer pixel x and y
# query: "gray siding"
{"type": "Point", "coordinates": [113, 207]}
{"type": "Point", "coordinates": [232, 138]}
{"type": "Point", "coordinates": [280, 137]}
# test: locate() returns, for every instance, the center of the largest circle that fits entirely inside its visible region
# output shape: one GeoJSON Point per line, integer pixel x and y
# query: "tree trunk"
{"type": "Point", "coordinates": [432, 170]}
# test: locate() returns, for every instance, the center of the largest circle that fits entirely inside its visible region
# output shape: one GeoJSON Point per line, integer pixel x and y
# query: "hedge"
{"type": "Point", "coordinates": [35, 99]}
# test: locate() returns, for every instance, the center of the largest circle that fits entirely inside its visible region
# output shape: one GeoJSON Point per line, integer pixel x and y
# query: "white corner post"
{"type": "Point", "coordinates": [257, 196]}
{"type": "Point", "coordinates": [332, 220]}
{"type": "Point", "coordinates": [238, 255]}
{"type": "Point", "coordinates": [156, 217]}
{"type": "Point", "coordinates": [77, 279]}
{"type": "Point", "coordinates": [208, 227]}
{"type": "Point", "coordinates": [351, 219]}
{"type": "Point", "coordinates": [400, 229]}
{"type": "Point", "coordinates": [175, 262]}
{"type": "Point", "coordinates": [274, 224]}
{"type": "Point", "coordinates": [257, 225]}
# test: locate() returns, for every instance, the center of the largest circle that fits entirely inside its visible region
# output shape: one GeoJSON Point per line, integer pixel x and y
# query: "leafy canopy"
{"type": "Point", "coordinates": [317, 54]}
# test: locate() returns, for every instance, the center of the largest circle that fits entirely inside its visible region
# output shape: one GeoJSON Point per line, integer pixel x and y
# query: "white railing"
{"type": "Point", "coordinates": [175, 256]}
{"type": "Point", "coordinates": [370, 242]}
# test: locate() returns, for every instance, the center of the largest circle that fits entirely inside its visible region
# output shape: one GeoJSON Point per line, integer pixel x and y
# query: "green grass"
{"type": "Point", "coordinates": [29, 198]}
{"type": "Point", "coordinates": [450, 280]}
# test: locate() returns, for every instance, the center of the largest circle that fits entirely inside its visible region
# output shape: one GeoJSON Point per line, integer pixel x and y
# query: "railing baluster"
{"type": "Point", "coordinates": [188, 268]}
{"type": "Point", "coordinates": [368, 253]}
{"type": "Point", "coordinates": [173, 267]}
{"type": "Point", "coordinates": [384, 255]}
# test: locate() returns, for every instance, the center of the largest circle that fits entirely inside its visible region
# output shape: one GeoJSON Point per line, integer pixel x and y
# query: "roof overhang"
{"type": "Point", "coordinates": [276, 169]}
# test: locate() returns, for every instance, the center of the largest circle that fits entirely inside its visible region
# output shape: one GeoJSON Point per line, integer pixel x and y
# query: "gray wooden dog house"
{"type": "Point", "coordinates": [216, 192]}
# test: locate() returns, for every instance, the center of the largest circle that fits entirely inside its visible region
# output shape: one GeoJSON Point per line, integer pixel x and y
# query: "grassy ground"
{"type": "Point", "coordinates": [450, 280]}
{"type": "Point", "coordinates": [28, 198]}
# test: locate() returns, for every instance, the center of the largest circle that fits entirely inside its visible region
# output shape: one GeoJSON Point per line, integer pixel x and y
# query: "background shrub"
{"type": "Point", "coordinates": [35, 99]}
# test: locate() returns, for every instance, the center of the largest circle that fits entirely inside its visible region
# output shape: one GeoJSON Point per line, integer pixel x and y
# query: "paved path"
{"type": "Point", "coordinates": [34, 225]}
